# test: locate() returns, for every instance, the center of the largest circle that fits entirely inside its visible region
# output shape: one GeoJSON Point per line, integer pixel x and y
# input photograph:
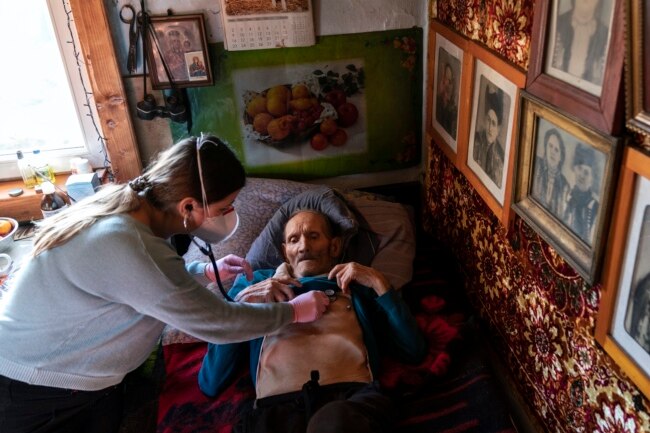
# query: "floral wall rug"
{"type": "Point", "coordinates": [540, 311]}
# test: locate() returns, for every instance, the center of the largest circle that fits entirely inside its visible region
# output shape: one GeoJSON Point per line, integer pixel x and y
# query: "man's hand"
{"type": "Point", "coordinates": [347, 273]}
{"type": "Point", "coordinates": [274, 289]}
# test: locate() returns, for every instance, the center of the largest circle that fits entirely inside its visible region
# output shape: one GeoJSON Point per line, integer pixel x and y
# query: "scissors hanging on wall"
{"type": "Point", "coordinates": [129, 16]}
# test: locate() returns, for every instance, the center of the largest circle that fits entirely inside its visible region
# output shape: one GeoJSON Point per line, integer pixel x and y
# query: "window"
{"type": "Point", "coordinates": [44, 103]}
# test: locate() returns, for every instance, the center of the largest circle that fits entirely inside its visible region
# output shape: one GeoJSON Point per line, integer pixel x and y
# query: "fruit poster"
{"type": "Point", "coordinates": [350, 104]}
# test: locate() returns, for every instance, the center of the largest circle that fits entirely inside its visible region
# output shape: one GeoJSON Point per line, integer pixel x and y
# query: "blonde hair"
{"type": "Point", "coordinates": [170, 178]}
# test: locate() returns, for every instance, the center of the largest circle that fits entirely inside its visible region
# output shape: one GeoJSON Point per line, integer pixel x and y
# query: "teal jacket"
{"type": "Point", "coordinates": [386, 321]}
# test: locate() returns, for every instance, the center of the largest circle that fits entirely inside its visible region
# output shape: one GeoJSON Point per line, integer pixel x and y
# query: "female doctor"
{"type": "Point", "coordinates": [91, 302]}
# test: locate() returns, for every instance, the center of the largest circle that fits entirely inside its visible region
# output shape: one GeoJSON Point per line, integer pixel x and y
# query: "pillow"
{"type": "Point", "coordinates": [359, 246]}
{"type": "Point", "coordinates": [395, 228]}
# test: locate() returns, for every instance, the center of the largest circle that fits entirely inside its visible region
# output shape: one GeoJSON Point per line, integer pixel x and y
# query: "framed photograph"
{"type": "Point", "coordinates": [638, 71]}
{"type": "Point", "coordinates": [623, 322]}
{"type": "Point", "coordinates": [177, 52]}
{"type": "Point", "coordinates": [576, 60]}
{"type": "Point", "coordinates": [564, 183]}
{"type": "Point", "coordinates": [449, 83]}
{"type": "Point", "coordinates": [488, 158]}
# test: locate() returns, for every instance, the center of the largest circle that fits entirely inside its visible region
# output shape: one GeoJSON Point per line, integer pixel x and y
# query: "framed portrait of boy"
{"type": "Point", "coordinates": [623, 323]}
{"type": "Point", "coordinates": [488, 159]}
{"type": "Point", "coordinates": [449, 84]}
{"type": "Point", "coordinates": [177, 52]}
{"type": "Point", "coordinates": [563, 184]}
{"type": "Point", "coordinates": [576, 60]}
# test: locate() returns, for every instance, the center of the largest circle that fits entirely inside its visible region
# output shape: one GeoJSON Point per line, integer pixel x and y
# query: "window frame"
{"type": "Point", "coordinates": [109, 98]}
{"type": "Point", "coordinates": [78, 81]}
{"type": "Point", "coordinates": [108, 89]}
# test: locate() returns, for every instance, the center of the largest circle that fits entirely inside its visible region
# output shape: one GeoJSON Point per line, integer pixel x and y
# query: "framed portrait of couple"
{"type": "Point", "coordinates": [576, 59]}
{"type": "Point", "coordinates": [450, 85]}
{"type": "Point", "coordinates": [623, 322]}
{"type": "Point", "coordinates": [564, 183]}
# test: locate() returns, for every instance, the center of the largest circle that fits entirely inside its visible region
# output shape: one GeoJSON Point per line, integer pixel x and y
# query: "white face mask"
{"type": "Point", "coordinates": [219, 228]}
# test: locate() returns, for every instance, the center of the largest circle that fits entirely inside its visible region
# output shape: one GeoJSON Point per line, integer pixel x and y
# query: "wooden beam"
{"type": "Point", "coordinates": [107, 86]}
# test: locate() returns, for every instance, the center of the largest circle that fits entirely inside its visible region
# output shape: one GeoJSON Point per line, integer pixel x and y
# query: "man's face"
{"type": "Point", "coordinates": [308, 247]}
{"type": "Point", "coordinates": [553, 151]}
{"type": "Point", "coordinates": [447, 84]}
{"type": "Point", "coordinates": [491, 126]}
{"type": "Point", "coordinates": [584, 177]}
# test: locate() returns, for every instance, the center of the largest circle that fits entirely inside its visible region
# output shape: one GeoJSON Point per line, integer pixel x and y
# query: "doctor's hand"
{"type": "Point", "coordinates": [309, 306]}
{"type": "Point", "coordinates": [229, 267]}
{"type": "Point", "coordinates": [274, 289]}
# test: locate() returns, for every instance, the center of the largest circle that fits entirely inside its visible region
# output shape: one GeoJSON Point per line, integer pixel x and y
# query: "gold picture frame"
{"type": "Point", "coordinates": [564, 183]}
{"type": "Point", "coordinates": [622, 324]}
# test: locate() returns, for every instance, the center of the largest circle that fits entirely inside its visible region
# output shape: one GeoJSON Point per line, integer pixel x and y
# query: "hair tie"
{"type": "Point", "coordinates": [140, 184]}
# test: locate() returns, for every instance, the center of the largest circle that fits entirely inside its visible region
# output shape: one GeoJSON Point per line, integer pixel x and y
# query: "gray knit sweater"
{"type": "Point", "coordinates": [83, 314]}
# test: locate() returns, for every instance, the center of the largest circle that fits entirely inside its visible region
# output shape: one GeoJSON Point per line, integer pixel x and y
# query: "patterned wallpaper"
{"type": "Point", "coordinates": [540, 311]}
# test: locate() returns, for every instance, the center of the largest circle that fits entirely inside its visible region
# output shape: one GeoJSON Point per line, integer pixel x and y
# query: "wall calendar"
{"type": "Point", "coordinates": [262, 24]}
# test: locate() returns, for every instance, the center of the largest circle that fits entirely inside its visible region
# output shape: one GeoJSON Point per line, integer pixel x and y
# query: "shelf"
{"type": "Point", "coordinates": [27, 206]}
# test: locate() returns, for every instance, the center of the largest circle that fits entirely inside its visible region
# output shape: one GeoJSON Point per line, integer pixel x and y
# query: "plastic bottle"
{"type": "Point", "coordinates": [53, 201]}
{"type": "Point", "coordinates": [29, 178]}
{"type": "Point", "coordinates": [42, 169]}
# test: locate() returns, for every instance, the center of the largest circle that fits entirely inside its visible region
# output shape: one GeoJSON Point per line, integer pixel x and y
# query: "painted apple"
{"type": "Point", "coordinates": [348, 114]}
{"type": "Point", "coordinates": [261, 122]}
{"type": "Point", "coordinates": [280, 127]}
{"type": "Point", "coordinates": [318, 141]}
{"type": "Point", "coordinates": [339, 138]}
{"type": "Point", "coordinates": [328, 126]}
{"type": "Point", "coordinates": [336, 97]}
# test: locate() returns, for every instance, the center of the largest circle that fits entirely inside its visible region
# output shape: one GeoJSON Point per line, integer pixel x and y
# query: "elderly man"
{"type": "Point", "coordinates": [319, 377]}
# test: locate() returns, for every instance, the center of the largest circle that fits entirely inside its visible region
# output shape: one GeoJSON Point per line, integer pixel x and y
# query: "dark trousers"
{"type": "Point", "coordinates": [41, 409]}
{"type": "Point", "coordinates": [337, 408]}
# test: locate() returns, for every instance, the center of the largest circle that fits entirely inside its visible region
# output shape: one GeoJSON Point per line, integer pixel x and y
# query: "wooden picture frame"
{"type": "Point", "coordinates": [597, 100]}
{"type": "Point", "coordinates": [638, 70]}
{"type": "Point", "coordinates": [622, 325]}
{"type": "Point", "coordinates": [177, 52]}
{"type": "Point", "coordinates": [564, 183]}
{"type": "Point", "coordinates": [449, 66]}
{"type": "Point", "coordinates": [495, 83]}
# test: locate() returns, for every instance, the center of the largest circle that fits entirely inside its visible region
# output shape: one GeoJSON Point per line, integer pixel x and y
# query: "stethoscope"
{"type": "Point", "coordinates": [207, 250]}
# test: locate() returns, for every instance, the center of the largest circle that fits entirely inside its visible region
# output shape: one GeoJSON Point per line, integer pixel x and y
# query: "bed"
{"type": "Point", "coordinates": [452, 390]}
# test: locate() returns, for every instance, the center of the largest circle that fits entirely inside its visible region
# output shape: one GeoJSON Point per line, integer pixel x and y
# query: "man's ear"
{"type": "Point", "coordinates": [336, 247]}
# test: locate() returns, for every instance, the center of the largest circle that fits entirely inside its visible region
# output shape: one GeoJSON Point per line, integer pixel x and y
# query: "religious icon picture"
{"type": "Point", "coordinates": [177, 52]}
